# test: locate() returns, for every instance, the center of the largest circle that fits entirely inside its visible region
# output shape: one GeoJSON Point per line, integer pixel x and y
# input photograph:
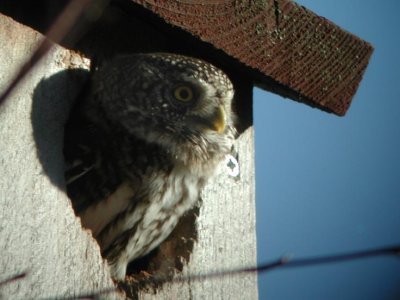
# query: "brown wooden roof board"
{"type": "Point", "coordinates": [321, 63]}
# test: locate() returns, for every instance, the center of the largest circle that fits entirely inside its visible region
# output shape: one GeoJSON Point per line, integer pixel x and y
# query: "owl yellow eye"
{"type": "Point", "coordinates": [183, 93]}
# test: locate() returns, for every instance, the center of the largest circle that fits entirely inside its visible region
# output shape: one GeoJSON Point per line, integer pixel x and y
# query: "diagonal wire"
{"type": "Point", "coordinates": [13, 278]}
{"type": "Point", "coordinates": [59, 29]}
{"type": "Point", "coordinates": [283, 262]}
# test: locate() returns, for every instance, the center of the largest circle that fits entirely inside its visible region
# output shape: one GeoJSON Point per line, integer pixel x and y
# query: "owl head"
{"type": "Point", "coordinates": [181, 103]}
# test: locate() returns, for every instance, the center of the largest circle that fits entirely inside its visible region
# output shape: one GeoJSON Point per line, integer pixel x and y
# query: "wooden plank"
{"type": "Point", "coordinates": [226, 239]}
{"type": "Point", "coordinates": [39, 232]}
{"type": "Point", "coordinates": [287, 48]}
{"type": "Point", "coordinates": [42, 234]}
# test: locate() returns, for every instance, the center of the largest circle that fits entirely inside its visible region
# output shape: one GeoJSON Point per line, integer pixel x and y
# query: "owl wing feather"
{"type": "Point", "coordinates": [90, 175]}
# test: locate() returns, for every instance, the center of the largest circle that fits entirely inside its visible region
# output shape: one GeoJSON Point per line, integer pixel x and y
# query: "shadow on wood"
{"type": "Point", "coordinates": [46, 113]}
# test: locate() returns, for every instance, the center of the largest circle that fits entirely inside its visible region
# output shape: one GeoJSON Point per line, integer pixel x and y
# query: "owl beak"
{"type": "Point", "coordinates": [218, 122]}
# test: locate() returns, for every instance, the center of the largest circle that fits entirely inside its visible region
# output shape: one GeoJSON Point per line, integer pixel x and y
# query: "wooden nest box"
{"type": "Point", "coordinates": [274, 44]}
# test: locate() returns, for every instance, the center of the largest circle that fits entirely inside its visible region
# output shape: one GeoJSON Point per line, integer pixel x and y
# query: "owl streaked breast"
{"type": "Point", "coordinates": [140, 145]}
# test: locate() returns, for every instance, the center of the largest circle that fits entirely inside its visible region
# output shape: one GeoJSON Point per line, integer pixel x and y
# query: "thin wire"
{"type": "Point", "coordinates": [284, 262]}
{"type": "Point", "coordinates": [56, 33]}
{"type": "Point", "coordinates": [13, 278]}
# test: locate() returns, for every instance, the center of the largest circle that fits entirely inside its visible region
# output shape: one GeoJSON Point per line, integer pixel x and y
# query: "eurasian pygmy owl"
{"type": "Point", "coordinates": [140, 145]}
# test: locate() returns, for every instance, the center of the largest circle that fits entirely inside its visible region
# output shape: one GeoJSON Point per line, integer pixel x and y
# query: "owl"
{"type": "Point", "coordinates": [140, 144]}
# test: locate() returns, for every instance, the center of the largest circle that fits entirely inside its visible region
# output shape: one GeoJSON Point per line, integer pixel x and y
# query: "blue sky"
{"type": "Point", "coordinates": [328, 184]}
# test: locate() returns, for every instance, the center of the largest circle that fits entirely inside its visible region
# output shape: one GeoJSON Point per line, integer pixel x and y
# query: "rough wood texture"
{"type": "Point", "coordinates": [39, 232]}
{"type": "Point", "coordinates": [315, 61]}
{"type": "Point", "coordinates": [226, 236]}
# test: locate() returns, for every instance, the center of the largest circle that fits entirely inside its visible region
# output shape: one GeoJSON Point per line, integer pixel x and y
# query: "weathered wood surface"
{"type": "Point", "coordinates": [289, 49]}
{"type": "Point", "coordinates": [226, 236]}
{"type": "Point", "coordinates": [39, 232]}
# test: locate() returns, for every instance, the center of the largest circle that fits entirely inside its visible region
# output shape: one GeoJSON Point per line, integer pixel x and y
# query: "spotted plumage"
{"type": "Point", "coordinates": [141, 144]}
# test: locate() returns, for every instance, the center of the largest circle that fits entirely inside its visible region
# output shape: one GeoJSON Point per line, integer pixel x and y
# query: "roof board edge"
{"type": "Point", "coordinates": [307, 53]}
